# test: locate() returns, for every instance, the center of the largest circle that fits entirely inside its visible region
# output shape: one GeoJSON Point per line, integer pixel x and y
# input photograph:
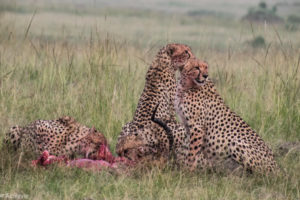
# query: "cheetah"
{"type": "Point", "coordinates": [160, 87]}
{"type": "Point", "coordinates": [146, 146]}
{"type": "Point", "coordinates": [216, 132]}
{"type": "Point", "coordinates": [61, 137]}
{"type": "Point", "coordinates": [160, 84]}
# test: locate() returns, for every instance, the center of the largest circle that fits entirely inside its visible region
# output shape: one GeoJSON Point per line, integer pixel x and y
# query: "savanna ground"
{"type": "Point", "coordinates": [89, 61]}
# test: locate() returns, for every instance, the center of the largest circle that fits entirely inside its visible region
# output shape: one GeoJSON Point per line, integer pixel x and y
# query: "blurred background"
{"type": "Point", "coordinates": [205, 24]}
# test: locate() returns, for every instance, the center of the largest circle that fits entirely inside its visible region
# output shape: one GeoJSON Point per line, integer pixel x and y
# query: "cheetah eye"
{"type": "Point", "coordinates": [125, 151]}
{"type": "Point", "coordinates": [187, 52]}
{"type": "Point", "coordinates": [171, 51]}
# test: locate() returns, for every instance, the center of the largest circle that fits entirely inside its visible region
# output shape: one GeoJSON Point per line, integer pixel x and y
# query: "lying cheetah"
{"type": "Point", "coordinates": [61, 137]}
{"type": "Point", "coordinates": [216, 132]}
{"type": "Point", "coordinates": [146, 146]}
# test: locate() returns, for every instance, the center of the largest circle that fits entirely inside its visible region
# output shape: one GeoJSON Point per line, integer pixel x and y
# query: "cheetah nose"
{"type": "Point", "coordinates": [205, 76]}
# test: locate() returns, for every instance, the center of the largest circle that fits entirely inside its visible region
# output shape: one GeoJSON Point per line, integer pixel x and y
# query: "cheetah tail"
{"type": "Point", "coordinates": [165, 127]}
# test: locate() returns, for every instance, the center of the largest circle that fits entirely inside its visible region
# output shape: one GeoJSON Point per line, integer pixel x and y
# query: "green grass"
{"type": "Point", "coordinates": [92, 67]}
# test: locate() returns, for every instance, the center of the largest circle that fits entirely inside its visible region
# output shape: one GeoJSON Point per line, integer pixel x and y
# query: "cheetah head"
{"type": "Point", "coordinates": [134, 148]}
{"type": "Point", "coordinates": [179, 54]}
{"type": "Point", "coordinates": [90, 144]}
{"type": "Point", "coordinates": [194, 73]}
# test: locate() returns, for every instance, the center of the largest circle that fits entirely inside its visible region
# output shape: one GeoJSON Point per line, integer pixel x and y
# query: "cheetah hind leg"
{"type": "Point", "coordinates": [227, 165]}
{"type": "Point", "coordinates": [258, 158]}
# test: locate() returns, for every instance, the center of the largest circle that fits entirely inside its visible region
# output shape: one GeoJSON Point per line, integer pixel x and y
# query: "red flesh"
{"type": "Point", "coordinates": [104, 159]}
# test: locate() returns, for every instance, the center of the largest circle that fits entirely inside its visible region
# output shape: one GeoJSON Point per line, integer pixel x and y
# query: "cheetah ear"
{"type": "Point", "coordinates": [93, 130]}
{"type": "Point", "coordinates": [67, 120]}
{"type": "Point", "coordinates": [170, 49]}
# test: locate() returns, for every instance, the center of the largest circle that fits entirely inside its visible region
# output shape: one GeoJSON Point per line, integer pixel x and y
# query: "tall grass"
{"type": "Point", "coordinates": [97, 77]}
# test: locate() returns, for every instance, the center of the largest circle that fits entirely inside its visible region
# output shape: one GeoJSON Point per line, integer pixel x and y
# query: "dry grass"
{"type": "Point", "coordinates": [92, 67]}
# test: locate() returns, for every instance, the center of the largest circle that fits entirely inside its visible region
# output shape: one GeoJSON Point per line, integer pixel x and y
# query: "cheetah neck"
{"type": "Point", "coordinates": [160, 78]}
{"type": "Point", "coordinates": [161, 61]}
{"type": "Point", "coordinates": [204, 93]}
{"type": "Point", "coordinates": [178, 102]}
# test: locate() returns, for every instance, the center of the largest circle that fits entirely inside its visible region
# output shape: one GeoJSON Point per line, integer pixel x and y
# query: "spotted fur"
{"type": "Point", "coordinates": [61, 137]}
{"type": "Point", "coordinates": [216, 132]}
{"type": "Point", "coordinates": [160, 87]}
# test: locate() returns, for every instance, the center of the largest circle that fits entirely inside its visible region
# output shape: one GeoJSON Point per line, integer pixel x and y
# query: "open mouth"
{"type": "Point", "coordinates": [199, 81]}
{"type": "Point", "coordinates": [181, 60]}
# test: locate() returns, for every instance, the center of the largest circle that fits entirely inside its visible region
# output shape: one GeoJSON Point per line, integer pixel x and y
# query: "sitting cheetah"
{"type": "Point", "coordinates": [61, 137]}
{"type": "Point", "coordinates": [160, 87]}
{"type": "Point", "coordinates": [216, 132]}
